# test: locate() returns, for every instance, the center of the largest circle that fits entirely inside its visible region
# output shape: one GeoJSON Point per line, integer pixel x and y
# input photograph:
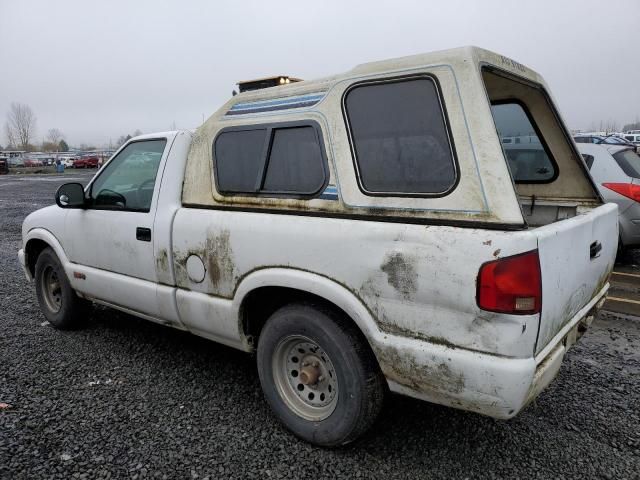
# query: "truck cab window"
{"type": "Point", "coordinates": [127, 182]}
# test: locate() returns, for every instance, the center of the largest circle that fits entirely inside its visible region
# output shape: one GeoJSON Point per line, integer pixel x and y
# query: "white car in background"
{"type": "Point", "coordinates": [616, 172]}
{"type": "Point", "coordinates": [67, 161]}
{"type": "Point", "coordinates": [634, 137]}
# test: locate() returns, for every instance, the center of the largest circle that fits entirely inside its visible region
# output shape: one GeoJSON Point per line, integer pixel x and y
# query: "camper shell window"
{"type": "Point", "coordinates": [528, 156]}
{"type": "Point", "coordinates": [551, 178]}
{"type": "Point", "coordinates": [400, 138]}
{"type": "Point", "coordinates": [278, 160]}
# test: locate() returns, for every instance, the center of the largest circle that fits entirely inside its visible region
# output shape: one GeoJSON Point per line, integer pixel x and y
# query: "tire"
{"type": "Point", "coordinates": [328, 396]}
{"type": "Point", "coordinates": [58, 301]}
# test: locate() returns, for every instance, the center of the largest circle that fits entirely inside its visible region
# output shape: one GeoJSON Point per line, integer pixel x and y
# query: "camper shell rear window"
{"type": "Point", "coordinates": [527, 154]}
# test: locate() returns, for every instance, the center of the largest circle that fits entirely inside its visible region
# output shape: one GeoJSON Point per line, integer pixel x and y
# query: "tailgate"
{"type": "Point", "coordinates": [576, 258]}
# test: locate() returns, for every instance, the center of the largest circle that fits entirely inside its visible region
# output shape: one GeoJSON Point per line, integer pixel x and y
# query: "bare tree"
{"type": "Point", "coordinates": [614, 126]}
{"type": "Point", "coordinates": [21, 124]}
{"type": "Point", "coordinates": [122, 140]}
{"type": "Point", "coordinates": [11, 139]}
{"type": "Point", "coordinates": [54, 135]}
{"type": "Point", "coordinates": [632, 126]}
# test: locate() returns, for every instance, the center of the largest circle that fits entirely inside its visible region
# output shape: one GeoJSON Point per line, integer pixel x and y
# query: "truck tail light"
{"type": "Point", "coordinates": [628, 190]}
{"type": "Point", "coordinates": [511, 285]}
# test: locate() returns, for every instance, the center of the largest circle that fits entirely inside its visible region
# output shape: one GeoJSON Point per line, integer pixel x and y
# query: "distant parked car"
{"type": "Point", "coordinates": [4, 165]}
{"type": "Point", "coordinates": [616, 172]}
{"type": "Point", "coordinates": [86, 162]}
{"type": "Point", "coordinates": [633, 138]}
{"type": "Point", "coordinates": [587, 138]}
{"type": "Point", "coordinates": [67, 161]}
{"type": "Point", "coordinates": [606, 140]}
{"type": "Point", "coordinates": [16, 162]}
{"type": "Point", "coordinates": [33, 162]}
{"type": "Point", "coordinates": [620, 140]}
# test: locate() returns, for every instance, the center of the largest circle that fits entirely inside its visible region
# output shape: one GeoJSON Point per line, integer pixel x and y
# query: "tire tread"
{"type": "Point", "coordinates": [374, 384]}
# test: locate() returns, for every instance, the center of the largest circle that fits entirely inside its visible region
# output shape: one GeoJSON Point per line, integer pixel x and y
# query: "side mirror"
{"type": "Point", "coordinates": [70, 195]}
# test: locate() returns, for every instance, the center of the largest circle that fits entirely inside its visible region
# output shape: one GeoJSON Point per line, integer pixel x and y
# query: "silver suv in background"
{"type": "Point", "coordinates": [616, 172]}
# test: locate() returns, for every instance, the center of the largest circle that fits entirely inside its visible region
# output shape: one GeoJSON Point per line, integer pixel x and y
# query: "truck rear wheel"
{"type": "Point", "coordinates": [58, 301]}
{"type": "Point", "coordinates": [319, 375]}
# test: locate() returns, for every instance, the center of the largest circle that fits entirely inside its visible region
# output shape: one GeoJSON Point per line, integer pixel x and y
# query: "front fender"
{"type": "Point", "coordinates": [50, 239]}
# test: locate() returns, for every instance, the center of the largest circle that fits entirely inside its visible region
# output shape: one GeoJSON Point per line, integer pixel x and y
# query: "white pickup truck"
{"type": "Point", "coordinates": [423, 225]}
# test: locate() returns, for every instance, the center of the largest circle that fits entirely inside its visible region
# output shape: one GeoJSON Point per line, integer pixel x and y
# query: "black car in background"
{"type": "Point", "coordinates": [607, 140]}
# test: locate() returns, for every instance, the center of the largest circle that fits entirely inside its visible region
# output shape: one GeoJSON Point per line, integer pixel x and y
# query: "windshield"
{"type": "Point", "coordinates": [629, 162]}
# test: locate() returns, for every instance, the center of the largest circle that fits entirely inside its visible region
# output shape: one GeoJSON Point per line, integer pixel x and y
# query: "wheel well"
{"type": "Point", "coordinates": [32, 251]}
{"type": "Point", "coordinates": [261, 303]}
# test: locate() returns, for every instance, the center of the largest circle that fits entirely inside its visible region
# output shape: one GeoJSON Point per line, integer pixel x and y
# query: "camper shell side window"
{"type": "Point", "coordinates": [400, 137]}
{"type": "Point", "coordinates": [276, 160]}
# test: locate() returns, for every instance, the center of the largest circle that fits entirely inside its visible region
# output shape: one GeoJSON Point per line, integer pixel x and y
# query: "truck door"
{"type": "Point", "coordinates": [113, 235]}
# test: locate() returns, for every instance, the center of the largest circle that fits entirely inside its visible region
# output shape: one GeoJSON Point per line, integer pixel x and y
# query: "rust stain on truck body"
{"type": "Point", "coordinates": [219, 262]}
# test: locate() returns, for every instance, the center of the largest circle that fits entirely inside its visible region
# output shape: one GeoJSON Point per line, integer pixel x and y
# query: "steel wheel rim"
{"type": "Point", "coordinates": [305, 378]}
{"type": "Point", "coordinates": [51, 289]}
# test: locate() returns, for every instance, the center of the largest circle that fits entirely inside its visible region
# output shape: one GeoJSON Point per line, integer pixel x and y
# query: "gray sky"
{"type": "Point", "coordinates": [98, 70]}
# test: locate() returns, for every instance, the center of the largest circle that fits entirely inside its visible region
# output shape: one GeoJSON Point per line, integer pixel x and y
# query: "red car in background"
{"type": "Point", "coordinates": [32, 162]}
{"type": "Point", "coordinates": [86, 162]}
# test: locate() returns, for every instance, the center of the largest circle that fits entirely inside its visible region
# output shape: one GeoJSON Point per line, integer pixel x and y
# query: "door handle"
{"type": "Point", "coordinates": [143, 234]}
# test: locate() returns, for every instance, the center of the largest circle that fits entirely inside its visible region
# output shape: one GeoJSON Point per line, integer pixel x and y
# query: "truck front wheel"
{"type": "Point", "coordinates": [58, 302]}
{"type": "Point", "coordinates": [319, 375]}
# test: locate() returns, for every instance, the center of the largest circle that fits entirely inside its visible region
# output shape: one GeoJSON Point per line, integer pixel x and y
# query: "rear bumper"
{"type": "Point", "coordinates": [550, 358]}
{"type": "Point", "coordinates": [488, 384]}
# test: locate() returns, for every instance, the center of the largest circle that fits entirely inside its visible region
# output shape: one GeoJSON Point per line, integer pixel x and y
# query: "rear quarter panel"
{"type": "Point", "coordinates": [416, 281]}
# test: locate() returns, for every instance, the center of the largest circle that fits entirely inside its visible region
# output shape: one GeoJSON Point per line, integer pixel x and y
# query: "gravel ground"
{"type": "Point", "coordinates": [125, 398]}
